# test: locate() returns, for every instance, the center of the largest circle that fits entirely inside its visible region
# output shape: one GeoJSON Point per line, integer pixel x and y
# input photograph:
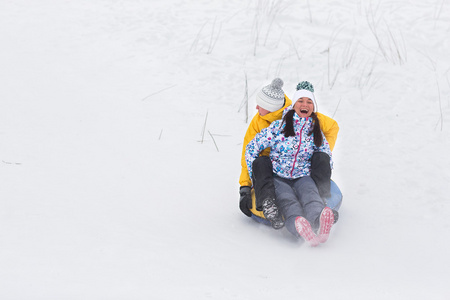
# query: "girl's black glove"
{"type": "Point", "coordinates": [245, 202]}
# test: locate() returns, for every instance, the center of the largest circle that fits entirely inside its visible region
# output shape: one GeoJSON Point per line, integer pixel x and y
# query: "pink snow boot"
{"type": "Point", "coordinates": [326, 221]}
{"type": "Point", "coordinates": [304, 229]}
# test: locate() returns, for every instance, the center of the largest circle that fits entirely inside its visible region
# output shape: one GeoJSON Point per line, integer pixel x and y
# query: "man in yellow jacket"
{"type": "Point", "coordinates": [271, 101]}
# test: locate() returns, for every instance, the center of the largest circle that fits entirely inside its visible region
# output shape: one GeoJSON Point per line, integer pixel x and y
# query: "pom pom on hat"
{"type": "Point", "coordinates": [271, 97]}
{"type": "Point", "coordinates": [277, 84]}
{"type": "Point", "coordinates": [305, 85]}
{"type": "Point", "coordinates": [305, 89]}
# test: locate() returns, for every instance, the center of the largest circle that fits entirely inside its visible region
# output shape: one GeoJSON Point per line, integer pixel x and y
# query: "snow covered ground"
{"type": "Point", "coordinates": [121, 127]}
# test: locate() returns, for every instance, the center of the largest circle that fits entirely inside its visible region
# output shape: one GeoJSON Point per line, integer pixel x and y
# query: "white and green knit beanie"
{"type": "Point", "coordinates": [305, 89]}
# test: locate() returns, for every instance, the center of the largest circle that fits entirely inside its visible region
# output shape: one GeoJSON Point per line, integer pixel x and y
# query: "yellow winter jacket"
{"type": "Point", "coordinates": [328, 126]}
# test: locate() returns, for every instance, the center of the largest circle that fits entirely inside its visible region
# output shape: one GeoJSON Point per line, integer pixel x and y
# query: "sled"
{"type": "Point", "coordinates": [333, 202]}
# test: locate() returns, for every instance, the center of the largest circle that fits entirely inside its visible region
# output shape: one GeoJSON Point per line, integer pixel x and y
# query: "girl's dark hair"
{"type": "Point", "coordinates": [288, 118]}
{"type": "Point", "coordinates": [288, 130]}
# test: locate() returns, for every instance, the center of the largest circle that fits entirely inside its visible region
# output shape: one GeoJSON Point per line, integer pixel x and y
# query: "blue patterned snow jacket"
{"type": "Point", "coordinates": [291, 156]}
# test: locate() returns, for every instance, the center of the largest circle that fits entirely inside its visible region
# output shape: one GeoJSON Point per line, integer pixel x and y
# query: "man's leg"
{"type": "Point", "coordinates": [265, 191]}
{"type": "Point", "coordinates": [321, 173]}
{"type": "Point", "coordinates": [263, 180]}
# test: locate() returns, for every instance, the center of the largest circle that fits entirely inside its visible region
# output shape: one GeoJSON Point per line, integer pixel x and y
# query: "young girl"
{"type": "Point", "coordinates": [293, 141]}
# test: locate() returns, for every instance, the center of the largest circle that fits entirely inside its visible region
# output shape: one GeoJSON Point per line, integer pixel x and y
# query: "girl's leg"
{"type": "Point", "coordinates": [326, 221]}
{"type": "Point", "coordinates": [287, 203]}
{"type": "Point", "coordinates": [310, 200]}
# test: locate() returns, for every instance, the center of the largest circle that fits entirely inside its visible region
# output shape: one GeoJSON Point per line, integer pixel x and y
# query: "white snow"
{"type": "Point", "coordinates": [112, 187]}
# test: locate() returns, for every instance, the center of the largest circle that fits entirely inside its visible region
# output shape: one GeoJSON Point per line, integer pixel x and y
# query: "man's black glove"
{"type": "Point", "coordinates": [245, 202]}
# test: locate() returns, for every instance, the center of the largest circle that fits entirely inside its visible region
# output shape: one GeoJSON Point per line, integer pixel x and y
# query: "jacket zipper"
{"type": "Point", "coordinates": [299, 146]}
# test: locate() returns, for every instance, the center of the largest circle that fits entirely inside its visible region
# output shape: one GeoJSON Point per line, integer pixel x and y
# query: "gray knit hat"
{"type": "Point", "coordinates": [271, 97]}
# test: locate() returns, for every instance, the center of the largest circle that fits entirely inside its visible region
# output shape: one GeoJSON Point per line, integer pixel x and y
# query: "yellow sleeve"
{"type": "Point", "coordinates": [244, 179]}
{"type": "Point", "coordinates": [254, 128]}
{"type": "Point", "coordinates": [330, 129]}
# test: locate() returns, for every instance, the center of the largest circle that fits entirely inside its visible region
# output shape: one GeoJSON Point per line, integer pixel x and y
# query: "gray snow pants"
{"type": "Point", "coordinates": [298, 198]}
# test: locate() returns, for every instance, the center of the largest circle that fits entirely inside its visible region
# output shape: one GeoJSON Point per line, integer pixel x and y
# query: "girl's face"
{"type": "Point", "coordinates": [262, 111]}
{"type": "Point", "coordinates": [304, 107]}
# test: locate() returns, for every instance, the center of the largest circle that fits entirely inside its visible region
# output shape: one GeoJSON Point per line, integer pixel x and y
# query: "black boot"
{"type": "Point", "coordinates": [271, 212]}
{"type": "Point", "coordinates": [336, 216]}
